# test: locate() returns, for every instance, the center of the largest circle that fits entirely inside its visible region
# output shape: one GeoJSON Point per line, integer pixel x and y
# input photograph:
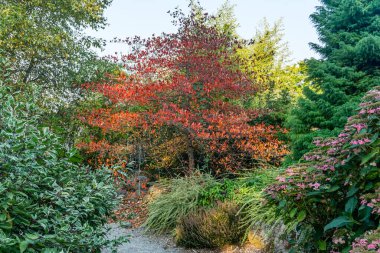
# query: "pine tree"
{"type": "Point", "coordinates": [349, 32]}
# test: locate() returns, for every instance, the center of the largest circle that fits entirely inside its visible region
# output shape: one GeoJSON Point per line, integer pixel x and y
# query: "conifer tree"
{"type": "Point", "coordinates": [349, 34]}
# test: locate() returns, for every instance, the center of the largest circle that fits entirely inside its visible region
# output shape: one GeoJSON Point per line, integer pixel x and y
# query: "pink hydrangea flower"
{"type": "Point", "coordinates": [363, 242]}
{"type": "Point", "coordinates": [371, 246]}
{"type": "Point", "coordinates": [315, 186]}
{"type": "Point", "coordinates": [359, 127]}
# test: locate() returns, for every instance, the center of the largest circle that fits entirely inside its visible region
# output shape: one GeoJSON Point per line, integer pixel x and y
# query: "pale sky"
{"type": "Point", "coordinates": [144, 17]}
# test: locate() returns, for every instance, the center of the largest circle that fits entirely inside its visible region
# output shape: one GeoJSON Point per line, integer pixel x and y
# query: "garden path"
{"type": "Point", "coordinates": [141, 242]}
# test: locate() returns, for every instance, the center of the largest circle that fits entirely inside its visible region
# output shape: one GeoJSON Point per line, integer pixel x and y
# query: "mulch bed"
{"type": "Point", "coordinates": [133, 209]}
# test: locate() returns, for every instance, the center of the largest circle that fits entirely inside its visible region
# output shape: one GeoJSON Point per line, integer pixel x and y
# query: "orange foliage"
{"type": "Point", "coordinates": [187, 81]}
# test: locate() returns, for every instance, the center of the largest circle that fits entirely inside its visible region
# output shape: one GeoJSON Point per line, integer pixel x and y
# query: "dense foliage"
{"type": "Point", "coordinates": [349, 32]}
{"type": "Point", "coordinates": [44, 40]}
{"type": "Point", "coordinates": [205, 212]}
{"type": "Point", "coordinates": [48, 203]}
{"type": "Point", "coordinates": [340, 177]}
{"type": "Point", "coordinates": [265, 61]}
{"type": "Point", "coordinates": [45, 44]}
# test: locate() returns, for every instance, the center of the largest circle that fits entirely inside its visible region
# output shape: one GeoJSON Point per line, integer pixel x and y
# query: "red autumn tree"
{"type": "Point", "coordinates": [188, 83]}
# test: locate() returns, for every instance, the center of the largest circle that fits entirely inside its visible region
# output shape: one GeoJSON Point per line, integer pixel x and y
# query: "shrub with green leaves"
{"type": "Point", "coordinates": [218, 191]}
{"type": "Point", "coordinates": [47, 202]}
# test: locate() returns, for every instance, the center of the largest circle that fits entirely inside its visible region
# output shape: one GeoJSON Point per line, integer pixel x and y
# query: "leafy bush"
{"type": "Point", "coordinates": [210, 228]}
{"type": "Point", "coordinates": [218, 191]}
{"type": "Point", "coordinates": [180, 196]}
{"type": "Point", "coordinates": [47, 203]}
{"type": "Point", "coordinates": [334, 193]}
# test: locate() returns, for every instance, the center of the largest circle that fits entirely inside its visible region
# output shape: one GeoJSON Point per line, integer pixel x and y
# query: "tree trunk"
{"type": "Point", "coordinates": [190, 154]}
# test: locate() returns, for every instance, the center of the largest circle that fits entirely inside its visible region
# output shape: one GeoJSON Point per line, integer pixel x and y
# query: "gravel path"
{"type": "Point", "coordinates": [145, 243]}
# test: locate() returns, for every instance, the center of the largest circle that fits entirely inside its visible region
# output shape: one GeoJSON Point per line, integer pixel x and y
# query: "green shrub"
{"type": "Point", "coordinates": [47, 203]}
{"type": "Point", "coordinates": [217, 191]}
{"type": "Point", "coordinates": [210, 228]}
{"type": "Point", "coordinates": [180, 196]}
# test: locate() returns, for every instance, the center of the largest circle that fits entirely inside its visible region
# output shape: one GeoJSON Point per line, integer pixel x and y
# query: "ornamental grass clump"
{"type": "Point", "coordinates": [179, 197]}
{"type": "Point", "coordinates": [260, 217]}
{"type": "Point", "coordinates": [335, 189]}
{"type": "Point", "coordinates": [210, 228]}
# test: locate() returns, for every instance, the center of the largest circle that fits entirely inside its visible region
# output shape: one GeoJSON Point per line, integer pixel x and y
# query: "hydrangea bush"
{"type": "Point", "coordinates": [333, 193]}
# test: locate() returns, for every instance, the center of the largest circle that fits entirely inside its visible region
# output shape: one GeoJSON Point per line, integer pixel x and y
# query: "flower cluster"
{"type": "Point", "coordinates": [369, 243]}
{"type": "Point", "coordinates": [372, 200]}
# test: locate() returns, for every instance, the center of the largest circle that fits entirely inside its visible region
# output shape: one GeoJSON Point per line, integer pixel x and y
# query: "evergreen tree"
{"type": "Point", "coordinates": [349, 32]}
{"type": "Point", "coordinates": [265, 60]}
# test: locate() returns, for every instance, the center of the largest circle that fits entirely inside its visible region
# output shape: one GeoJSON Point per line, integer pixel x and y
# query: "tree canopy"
{"type": "Point", "coordinates": [44, 40]}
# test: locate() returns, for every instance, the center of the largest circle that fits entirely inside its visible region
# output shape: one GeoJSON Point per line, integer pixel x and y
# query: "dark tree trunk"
{"type": "Point", "coordinates": [190, 155]}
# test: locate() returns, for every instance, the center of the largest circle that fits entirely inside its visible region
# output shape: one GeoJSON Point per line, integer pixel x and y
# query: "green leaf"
{"type": "Point", "coordinates": [75, 157]}
{"type": "Point", "coordinates": [3, 217]}
{"type": "Point", "coordinates": [23, 246]}
{"type": "Point", "coordinates": [50, 250]}
{"type": "Point", "coordinates": [369, 156]}
{"type": "Point", "coordinates": [313, 193]}
{"type": "Point", "coordinates": [301, 216]}
{"type": "Point", "coordinates": [339, 222]}
{"type": "Point", "coordinates": [346, 250]}
{"type": "Point", "coordinates": [352, 191]}
{"type": "Point", "coordinates": [293, 212]}
{"type": "Point", "coordinates": [322, 245]}
{"type": "Point", "coordinates": [375, 137]}
{"type": "Point", "coordinates": [365, 213]}
{"type": "Point", "coordinates": [368, 186]}
{"type": "Point", "coordinates": [351, 204]}
{"type": "Point", "coordinates": [333, 188]}
{"type": "Point", "coordinates": [34, 236]}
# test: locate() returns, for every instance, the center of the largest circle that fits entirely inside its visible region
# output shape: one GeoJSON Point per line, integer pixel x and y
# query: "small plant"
{"type": "Point", "coordinates": [219, 191]}
{"type": "Point", "coordinates": [210, 228]}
